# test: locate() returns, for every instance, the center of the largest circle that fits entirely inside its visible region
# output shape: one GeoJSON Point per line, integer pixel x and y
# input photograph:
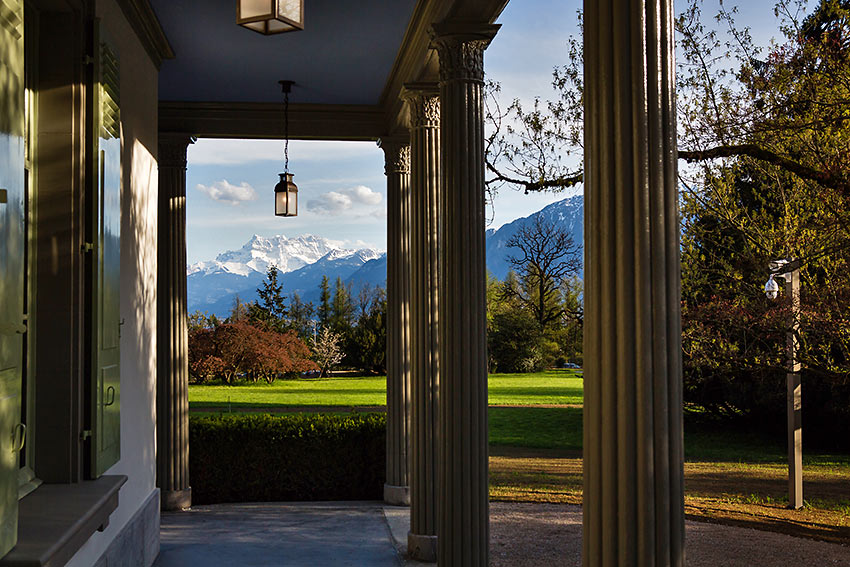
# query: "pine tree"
{"type": "Point", "coordinates": [301, 316]}
{"type": "Point", "coordinates": [324, 310]}
{"type": "Point", "coordinates": [342, 309]}
{"type": "Point", "coordinates": [270, 310]}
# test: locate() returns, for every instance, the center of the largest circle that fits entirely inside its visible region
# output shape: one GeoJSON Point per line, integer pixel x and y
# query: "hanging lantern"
{"type": "Point", "coordinates": [286, 192]}
{"type": "Point", "coordinates": [270, 16]}
{"type": "Point", "coordinates": [286, 196]}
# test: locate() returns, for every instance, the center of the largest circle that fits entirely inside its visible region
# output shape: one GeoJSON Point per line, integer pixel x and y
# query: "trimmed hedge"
{"type": "Point", "coordinates": [266, 458]}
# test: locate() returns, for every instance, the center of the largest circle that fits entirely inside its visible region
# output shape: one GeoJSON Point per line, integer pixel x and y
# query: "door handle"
{"type": "Point", "coordinates": [19, 437]}
{"type": "Point", "coordinates": [110, 395]}
{"type": "Point", "coordinates": [12, 329]}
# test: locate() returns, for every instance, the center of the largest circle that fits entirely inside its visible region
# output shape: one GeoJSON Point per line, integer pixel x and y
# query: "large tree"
{"type": "Point", "coordinates": [734, 99]}
{"type": "Point", "coordinates": [545, 258]}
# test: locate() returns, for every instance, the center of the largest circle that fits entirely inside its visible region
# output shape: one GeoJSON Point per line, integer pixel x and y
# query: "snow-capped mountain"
{"type": "Point", "coordinates": [304, 260]}
{"type": "Point", "coordinates": [259, 253]}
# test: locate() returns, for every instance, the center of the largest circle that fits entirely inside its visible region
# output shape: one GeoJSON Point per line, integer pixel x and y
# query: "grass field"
{"type": "Point", "coordinates": [732, 475]}
{"type": "Point", "coordinates": [541, 388]}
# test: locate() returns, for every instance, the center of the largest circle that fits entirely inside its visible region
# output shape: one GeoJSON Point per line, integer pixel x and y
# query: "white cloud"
{"type": "Point", "coordinates": [337, 202]}
{"type": "Point", "coordinates": [226, 192]}
{"type": "Point", "coordinates": [208, 151]}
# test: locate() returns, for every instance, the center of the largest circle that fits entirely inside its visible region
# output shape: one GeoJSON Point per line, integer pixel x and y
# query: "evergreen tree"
{"type": "Point", "coordinates": [324, 310]}
{"type": "Point", "coordinates": [342, 309]}
{"type": "Point", "coordinates": [270, 310]}
{"type": "Point", "coordinates": [301, 316]}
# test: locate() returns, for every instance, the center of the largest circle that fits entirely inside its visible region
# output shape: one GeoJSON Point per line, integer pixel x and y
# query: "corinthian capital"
{"type": "Point", "coordinates": [396, 154]}
{"type": "Point", "coordinates": [461, 46]}
{"type": "Point", "coordinates": [423, 101]}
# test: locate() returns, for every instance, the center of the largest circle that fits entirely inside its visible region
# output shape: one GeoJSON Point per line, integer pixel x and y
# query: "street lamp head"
{"type": "Point", "coordinates": [771, 288]}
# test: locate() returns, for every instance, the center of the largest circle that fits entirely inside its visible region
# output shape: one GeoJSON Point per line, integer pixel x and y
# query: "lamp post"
{"type": "Point", "coordinates": [789, 270]}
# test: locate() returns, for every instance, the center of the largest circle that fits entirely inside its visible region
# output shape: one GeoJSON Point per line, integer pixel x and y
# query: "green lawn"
{"type": "Point", "coordinates": [555, 428]}
{"type": "Point", "coordinates": [536, 428]}
{"type": "Point", "coordinates": [551, 387]}
{"type": "Point", "coordinates": [539, 388]}
{"type": "Point", "coordinates": [347, 392]}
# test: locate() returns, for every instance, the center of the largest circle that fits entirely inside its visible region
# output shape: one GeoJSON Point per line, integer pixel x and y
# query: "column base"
{"type": "Point", "coordinates": [422, 547]}
{"type": "Point", "coordinates": [174, 500]}
{"type": "Point", "coordinates": [396, 495]}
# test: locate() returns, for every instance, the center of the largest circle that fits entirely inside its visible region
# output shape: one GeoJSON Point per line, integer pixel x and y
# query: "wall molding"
{"type": "Point", "coordinates": [144, 22]}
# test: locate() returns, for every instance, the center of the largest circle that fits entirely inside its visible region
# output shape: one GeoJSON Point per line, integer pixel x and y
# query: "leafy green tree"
{"type": "Point", "coordinates": [201, 320]}
{"type": "Point", "coordinates": [514, 340]}
{"type": "Point", "coordinates": [367, 346]}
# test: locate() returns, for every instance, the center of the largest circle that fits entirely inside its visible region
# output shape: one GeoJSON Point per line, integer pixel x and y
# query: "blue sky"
{"type": "Point", "coordinates": [342, 188]}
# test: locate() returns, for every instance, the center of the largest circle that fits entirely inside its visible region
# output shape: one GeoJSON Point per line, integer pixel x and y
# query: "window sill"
{"type": "Point", "coordinates": [55, 520]}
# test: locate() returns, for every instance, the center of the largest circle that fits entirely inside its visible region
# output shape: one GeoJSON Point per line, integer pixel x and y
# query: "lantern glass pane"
{"type": "Point", "coordinates": [276, 26]}
{"type": "Point", "coordinates": [255, 9]}
{"type": "Point", "coordinates": [280, 203]}
{"type": "Point", "coordinates": [293, 203]}
{"type": "Point", "coordinates": [290, 9]}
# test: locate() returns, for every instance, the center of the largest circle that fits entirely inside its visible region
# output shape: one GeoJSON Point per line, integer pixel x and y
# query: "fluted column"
{"type": "Point", "coordinates": [423, 101]}
{"type": "Point", "coordinates": [172, 383]}
{"type": "Point", "coordinates": [633, 455]}
{"type": "Point", "coordinates": [463, 524]}
{"type": "Point", "coordinates": [397, 169]}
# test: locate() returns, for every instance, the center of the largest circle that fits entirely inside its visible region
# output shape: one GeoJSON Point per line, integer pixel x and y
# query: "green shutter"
{"type": "Point", "coordinates": [11, 261]}
{"type": "Point", "coordinates": [106, 322]}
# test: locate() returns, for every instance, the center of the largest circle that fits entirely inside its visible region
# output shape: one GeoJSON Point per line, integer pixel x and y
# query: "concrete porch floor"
{"type": "Point", "coordinates": [370, 534]}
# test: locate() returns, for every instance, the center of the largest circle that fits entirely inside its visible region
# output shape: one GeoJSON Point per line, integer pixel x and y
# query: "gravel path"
{"type": "Point", "coordinates": [538, 535]}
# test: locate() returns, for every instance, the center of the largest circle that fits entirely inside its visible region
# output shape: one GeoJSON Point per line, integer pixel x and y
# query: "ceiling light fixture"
{"type": "Point", "coordinates": [270, 16]}
{"type": "Point", "coordinates": [286, 192]}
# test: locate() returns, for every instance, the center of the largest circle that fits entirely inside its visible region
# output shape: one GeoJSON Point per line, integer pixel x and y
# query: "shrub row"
{"type": "Point", "coordinates": [265, 458]}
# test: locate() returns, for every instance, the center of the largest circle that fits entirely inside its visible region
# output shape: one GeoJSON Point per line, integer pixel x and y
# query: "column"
{"type": "Point", "coordinates": [423, 102]}
{"type": "Point", "coordinates": [397, 170]}
{"type": "Point", "coordinates": [633, 450]}
{"type": "Point", "coordinates": [463, 522]}
{"type": "Point", "coordinates": [172, 384]}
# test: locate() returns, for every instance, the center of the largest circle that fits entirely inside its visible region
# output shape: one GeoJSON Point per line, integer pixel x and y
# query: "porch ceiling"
{"type": "Point", "coordinates": [344, 55]}
{"type": "Point", "coordinates": [349, 63]}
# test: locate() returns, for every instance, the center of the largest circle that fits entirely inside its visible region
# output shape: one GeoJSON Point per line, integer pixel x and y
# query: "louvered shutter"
{"type": "Point", "coordinates": [106, 322]}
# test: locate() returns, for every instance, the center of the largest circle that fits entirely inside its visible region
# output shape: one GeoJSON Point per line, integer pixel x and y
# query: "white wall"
{"type": "Point", "coordinates": [138, 278]}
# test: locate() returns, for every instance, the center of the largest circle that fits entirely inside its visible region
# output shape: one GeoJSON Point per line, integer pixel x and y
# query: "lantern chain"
{"type": "Point", "coordinates": [286, 129]}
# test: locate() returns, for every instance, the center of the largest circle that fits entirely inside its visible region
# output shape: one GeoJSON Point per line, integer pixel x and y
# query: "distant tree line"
{"type": "Point", "coordinates": [270, 338]}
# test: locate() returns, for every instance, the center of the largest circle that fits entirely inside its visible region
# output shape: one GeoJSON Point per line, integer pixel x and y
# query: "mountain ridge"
{"type": "Point", "coordinates": [303, 260]}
